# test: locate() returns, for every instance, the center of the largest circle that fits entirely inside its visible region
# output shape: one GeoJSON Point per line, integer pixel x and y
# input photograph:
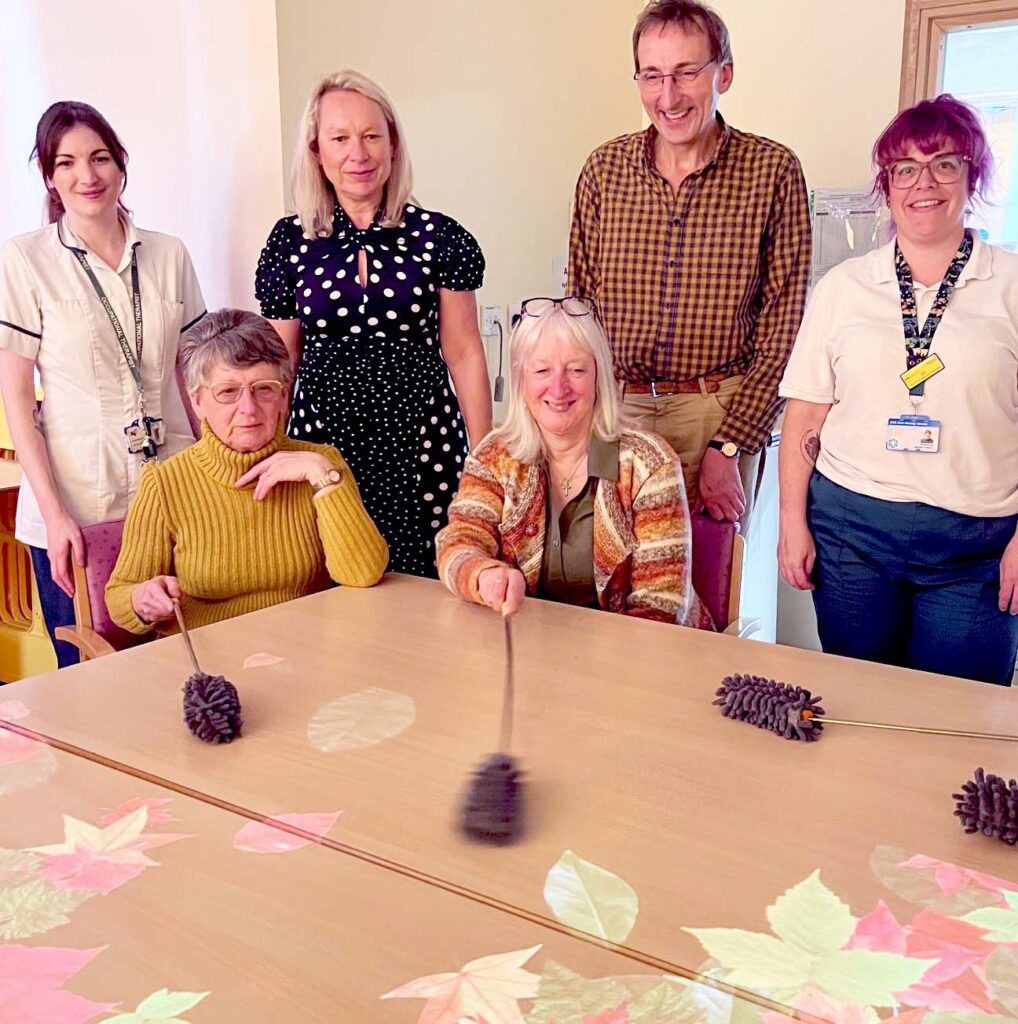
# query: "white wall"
{"type": "Point", "coordinates": [191, 87]}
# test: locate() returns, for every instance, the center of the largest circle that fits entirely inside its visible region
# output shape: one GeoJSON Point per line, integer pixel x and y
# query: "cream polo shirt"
{"type": "Point", "coordinates": [49, 313]}
{"type": "Point", "coordinates": [850, 351]}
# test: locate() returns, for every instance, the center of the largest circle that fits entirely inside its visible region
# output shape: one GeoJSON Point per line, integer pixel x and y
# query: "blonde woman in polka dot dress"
{"type": "Point", "coordinates": [374, 299]}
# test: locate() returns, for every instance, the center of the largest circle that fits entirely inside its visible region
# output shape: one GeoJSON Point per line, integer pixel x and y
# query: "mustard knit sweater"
{"type": "Point", "coordinates": [230, 553]}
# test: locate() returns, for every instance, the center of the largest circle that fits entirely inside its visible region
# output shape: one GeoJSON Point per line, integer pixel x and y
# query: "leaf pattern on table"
{"type": "Point", "coordinates": [12, 710]}
{"type": "Point", "coordinates": [158, 810]}
{"type": "Point", "coordinates": [265, 837]}
{"type": "Point", "coordinates": [591, 899]}
{"type": "Point", "coordinates": [16, 867]}
{"type": "Point", "coordinates": [24, 762]}
{"type": "Point", "coordinates": [162, 1007]}
{"type": "Point", "coordinates": [102, 858]}
{"type": "Point", "coordinates": [361, 719]}
{"type": "Point", "coordinates": [1002, 922]}
{"type": "Point", "coordinates": [488, 989]}
{"type": "Point", "coordinates": [36, 907]}
{"type": "Point", "coordinates": [811, 928]}
{"type": "Point", "coordinates": [31, 986]}
{"type": "Point", "coordinates": [261, 660]}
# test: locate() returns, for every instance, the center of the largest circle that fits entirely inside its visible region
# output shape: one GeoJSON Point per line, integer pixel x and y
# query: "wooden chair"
{"type": "Point", "coordinates": [94, 632]}
{"type": "Point", "coordinates": [718, 554]}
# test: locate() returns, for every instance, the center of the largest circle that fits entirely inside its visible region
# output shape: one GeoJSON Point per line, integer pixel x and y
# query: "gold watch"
{"type": "Point", "coordinates": [332, 477]}
{"type": "Point", "coordinates": [727, 448]}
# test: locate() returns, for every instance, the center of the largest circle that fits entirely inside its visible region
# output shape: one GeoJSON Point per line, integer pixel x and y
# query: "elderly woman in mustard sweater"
{"type": "Point", "coordinates": [247, 517]}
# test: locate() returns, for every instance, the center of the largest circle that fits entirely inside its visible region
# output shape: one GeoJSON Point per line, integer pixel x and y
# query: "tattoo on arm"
{"type": "Point", "coordinates": [810, 446]}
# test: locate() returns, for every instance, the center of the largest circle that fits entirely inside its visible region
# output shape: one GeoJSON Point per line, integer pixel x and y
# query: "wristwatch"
{"type": "Point", "coordinates": [330, 478]}
{"type": "Point", "coordinates": [727, 448]}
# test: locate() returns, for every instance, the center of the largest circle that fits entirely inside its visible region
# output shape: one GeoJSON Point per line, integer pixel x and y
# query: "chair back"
{"type": "Point", "coordinates": [102, 546]}
{"type": "Point", "coordinates": [717, 567]}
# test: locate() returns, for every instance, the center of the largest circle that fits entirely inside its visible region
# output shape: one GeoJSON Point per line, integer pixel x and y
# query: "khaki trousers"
{"type": "Point", "coordinates": [687, 422]}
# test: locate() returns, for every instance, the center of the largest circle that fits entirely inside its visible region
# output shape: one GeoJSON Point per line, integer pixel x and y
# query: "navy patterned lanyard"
{"type": "Point", "coordinates": [133, 359]}
{"type": "Point", "coordinates": [917, 343]}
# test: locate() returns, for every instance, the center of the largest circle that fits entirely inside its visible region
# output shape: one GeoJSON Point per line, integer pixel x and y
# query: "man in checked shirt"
{"type": "Point", "coordinates": [694, 240]}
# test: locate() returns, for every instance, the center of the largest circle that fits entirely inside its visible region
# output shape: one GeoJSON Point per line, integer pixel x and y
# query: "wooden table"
{"type": "Point", "coordinates": [629, 765]}
{"type": "Point", "coordinates": [159, 897]}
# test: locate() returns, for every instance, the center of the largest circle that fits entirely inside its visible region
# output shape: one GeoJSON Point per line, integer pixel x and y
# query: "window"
{"type": "Point", "coordinates": [967, 48]}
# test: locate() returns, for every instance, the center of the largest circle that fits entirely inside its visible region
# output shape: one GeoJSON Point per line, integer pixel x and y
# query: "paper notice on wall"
{"type": "Point", "coordinates": [846, 223]}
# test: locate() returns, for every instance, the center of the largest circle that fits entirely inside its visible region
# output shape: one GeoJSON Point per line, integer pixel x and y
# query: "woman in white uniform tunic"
{"type": "Point", "coordinates": [93, 307]}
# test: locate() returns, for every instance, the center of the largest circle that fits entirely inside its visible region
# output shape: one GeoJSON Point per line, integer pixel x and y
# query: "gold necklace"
{"type": "Point", "coordinates": [567, 483]}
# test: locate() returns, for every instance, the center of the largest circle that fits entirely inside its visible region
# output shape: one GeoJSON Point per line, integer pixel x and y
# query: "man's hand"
{"type": "Point", "coordinates": [720, 487]}
{"type": "Point", "coordinates": [152, 600]}
{"type": "Point", "coordinates": [797, 554]}
{"type": "Point", "coordinates": [285, 466]}
{"type": "Point", "coordinates": [501, 586]}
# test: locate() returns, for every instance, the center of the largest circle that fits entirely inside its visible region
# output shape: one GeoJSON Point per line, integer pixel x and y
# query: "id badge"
{"type": "Point", "coordinates": [913, 434]}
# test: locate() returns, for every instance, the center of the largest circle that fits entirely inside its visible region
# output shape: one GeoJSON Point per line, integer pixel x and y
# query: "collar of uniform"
{"type": "Point", "coordinates": [224, 464]}
{"type": "Point", "coordinates": [69, 240]}
{"type": "Point", "coordinates": [342, 225]}
{"type": "Point", "coordinates": [978, 268]}
{"type": "Point", "coordinates": [645, 151]}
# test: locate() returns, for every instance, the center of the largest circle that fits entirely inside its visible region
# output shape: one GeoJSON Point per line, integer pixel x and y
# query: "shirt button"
{"type": "Point", "coordinates": [554, 543]}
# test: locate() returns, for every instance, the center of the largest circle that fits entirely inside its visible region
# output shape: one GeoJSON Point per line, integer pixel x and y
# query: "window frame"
{"type": "Point", "coordinates": [927, 23]}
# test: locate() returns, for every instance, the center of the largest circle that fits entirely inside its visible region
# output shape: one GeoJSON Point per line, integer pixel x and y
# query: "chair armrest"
{"type": "Point", "coordinates": [88, 641]}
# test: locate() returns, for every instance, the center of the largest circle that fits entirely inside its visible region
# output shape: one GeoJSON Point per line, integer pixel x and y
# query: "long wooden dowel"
{"type": "Point", "coordinates": [917, 728]}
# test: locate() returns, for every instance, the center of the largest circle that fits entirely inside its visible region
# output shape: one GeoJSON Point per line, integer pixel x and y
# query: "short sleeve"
{"type": "Point", "coordinates": [460, 260]}
{"type": "Point", "coordinates": [274, 279]}
{"type": "Point", "coordinates": [190, 292]}
{"type": "Point", "coordinates": [809, 375]}
{"type": "Point", "coordinates": [20, 314]}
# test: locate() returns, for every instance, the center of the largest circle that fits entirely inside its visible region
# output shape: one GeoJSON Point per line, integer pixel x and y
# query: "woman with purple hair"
{"type": "Point", "coordinates": [899, 451]}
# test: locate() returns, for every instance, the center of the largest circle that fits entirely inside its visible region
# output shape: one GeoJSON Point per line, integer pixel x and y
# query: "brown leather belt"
{"type": "Point", "coordinates": [709, 383]}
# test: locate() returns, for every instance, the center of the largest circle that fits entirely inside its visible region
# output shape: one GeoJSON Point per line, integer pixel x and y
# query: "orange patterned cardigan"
{"type": "Point", "coordinates": [642, 560]}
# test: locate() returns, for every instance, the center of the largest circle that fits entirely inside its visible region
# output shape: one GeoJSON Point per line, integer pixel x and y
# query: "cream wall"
{"type": "Point", "coordinates": [192, 89]}
{"type": "Point", "coordinates": [501, 104]}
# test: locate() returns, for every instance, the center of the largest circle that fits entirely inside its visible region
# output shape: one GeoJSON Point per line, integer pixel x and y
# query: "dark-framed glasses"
{"type": "Point", "coordinates": [653, 80]}
{"type": "Point", "coordinates": [229, 392]}
{"type": "Point", "coordinates": [944, 168]}
{"type": "Point", "coordinates": [572, 305]}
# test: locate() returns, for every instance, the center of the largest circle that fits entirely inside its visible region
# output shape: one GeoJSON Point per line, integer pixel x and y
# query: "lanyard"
{"type": "Point", "coordinates": [133, 359]}
{"type": "Point", "coordinates": [917, 343]}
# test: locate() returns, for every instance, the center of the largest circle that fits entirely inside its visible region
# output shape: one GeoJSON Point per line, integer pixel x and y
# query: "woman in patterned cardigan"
{"type": "Point", "coordinates": [564, 501]}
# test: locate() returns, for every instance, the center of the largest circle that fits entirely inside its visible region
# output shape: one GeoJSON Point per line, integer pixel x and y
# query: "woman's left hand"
{"type": "Point", "coordinates": [1008, 598]}
{"type": "Point", "coordinates": [282, 467]}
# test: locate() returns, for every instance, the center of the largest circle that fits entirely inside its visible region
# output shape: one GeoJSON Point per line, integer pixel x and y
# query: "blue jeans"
{"type": "Point", "coordinates": [905, 583]}
{"type": "Point", "coordinates": [57, 607]}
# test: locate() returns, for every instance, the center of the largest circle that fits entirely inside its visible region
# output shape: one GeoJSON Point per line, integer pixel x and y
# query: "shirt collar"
{"type": "Point", "coordinates": [603, 459]}
{"type": "Point", "coordinates": [343, 225]}
{"type": "Point", "coordinates": [978, 268]}
{"type": "Point", "coordinates": [649, 137]}
{"type": "Point", "coordinates": [69, 240]}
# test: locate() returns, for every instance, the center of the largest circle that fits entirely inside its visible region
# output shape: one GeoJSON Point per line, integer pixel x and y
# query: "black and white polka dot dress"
{"type": "Point", "coordinates": [372, 380]}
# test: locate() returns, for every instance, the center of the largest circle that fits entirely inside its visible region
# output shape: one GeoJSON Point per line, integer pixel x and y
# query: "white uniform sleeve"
{"type": "Point", "coordinates": [190, 292]}
{"type": "Point", "coordinates": [20, 315]}
{"type": "Point", "coordinates": [809, 375]}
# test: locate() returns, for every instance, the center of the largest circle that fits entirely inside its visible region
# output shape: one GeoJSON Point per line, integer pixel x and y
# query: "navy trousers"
{"type": "Point", "coordinates": [905, 583]}
{"type": "Point", "coordinates": [57, 608]}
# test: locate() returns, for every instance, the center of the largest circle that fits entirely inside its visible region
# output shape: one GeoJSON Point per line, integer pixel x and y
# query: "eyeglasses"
{"type": "Point", "coordinates": [572, 305]}
{"type": "Point", "coordinates": [654, 80]}
{"type": "Point", "coordinates": [229, 392]}
{"type": "Point", "coordinates": [945, 169]}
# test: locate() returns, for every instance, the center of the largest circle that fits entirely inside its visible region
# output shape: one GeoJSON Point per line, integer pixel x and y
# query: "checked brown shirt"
{"type": "Point", "coordinates": [712, 278]}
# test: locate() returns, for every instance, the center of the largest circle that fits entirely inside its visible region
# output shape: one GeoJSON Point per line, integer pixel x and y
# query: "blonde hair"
{"type": "Point", "coordinates": [313, 195]}
{"type": "Point", "coordinates": [520, 433]}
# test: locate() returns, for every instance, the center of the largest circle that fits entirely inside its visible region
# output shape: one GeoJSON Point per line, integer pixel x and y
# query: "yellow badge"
{"type": "Point", "coordinates": [931, 365]}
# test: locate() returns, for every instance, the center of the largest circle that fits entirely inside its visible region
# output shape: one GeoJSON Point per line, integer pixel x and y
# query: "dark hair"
{"type": "Point", "coordinates": [687, 15]}
{"type": "Point", "coordinates": [930, 125]}
{"type": "Point", "coordinates": [235, 337]}
{"type": "Point", "coordinates": [59, 118]}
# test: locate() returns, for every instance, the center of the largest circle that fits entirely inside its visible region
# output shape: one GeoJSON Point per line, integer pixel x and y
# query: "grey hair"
{"type": "Point", "coordinates": [520, 433]}
{"type": "Point", "coordinates": [686, 15]}
{"type": "Point", "coordinates": [313, 196]}
{"type": "Point", "coordinates": [234, 337]}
